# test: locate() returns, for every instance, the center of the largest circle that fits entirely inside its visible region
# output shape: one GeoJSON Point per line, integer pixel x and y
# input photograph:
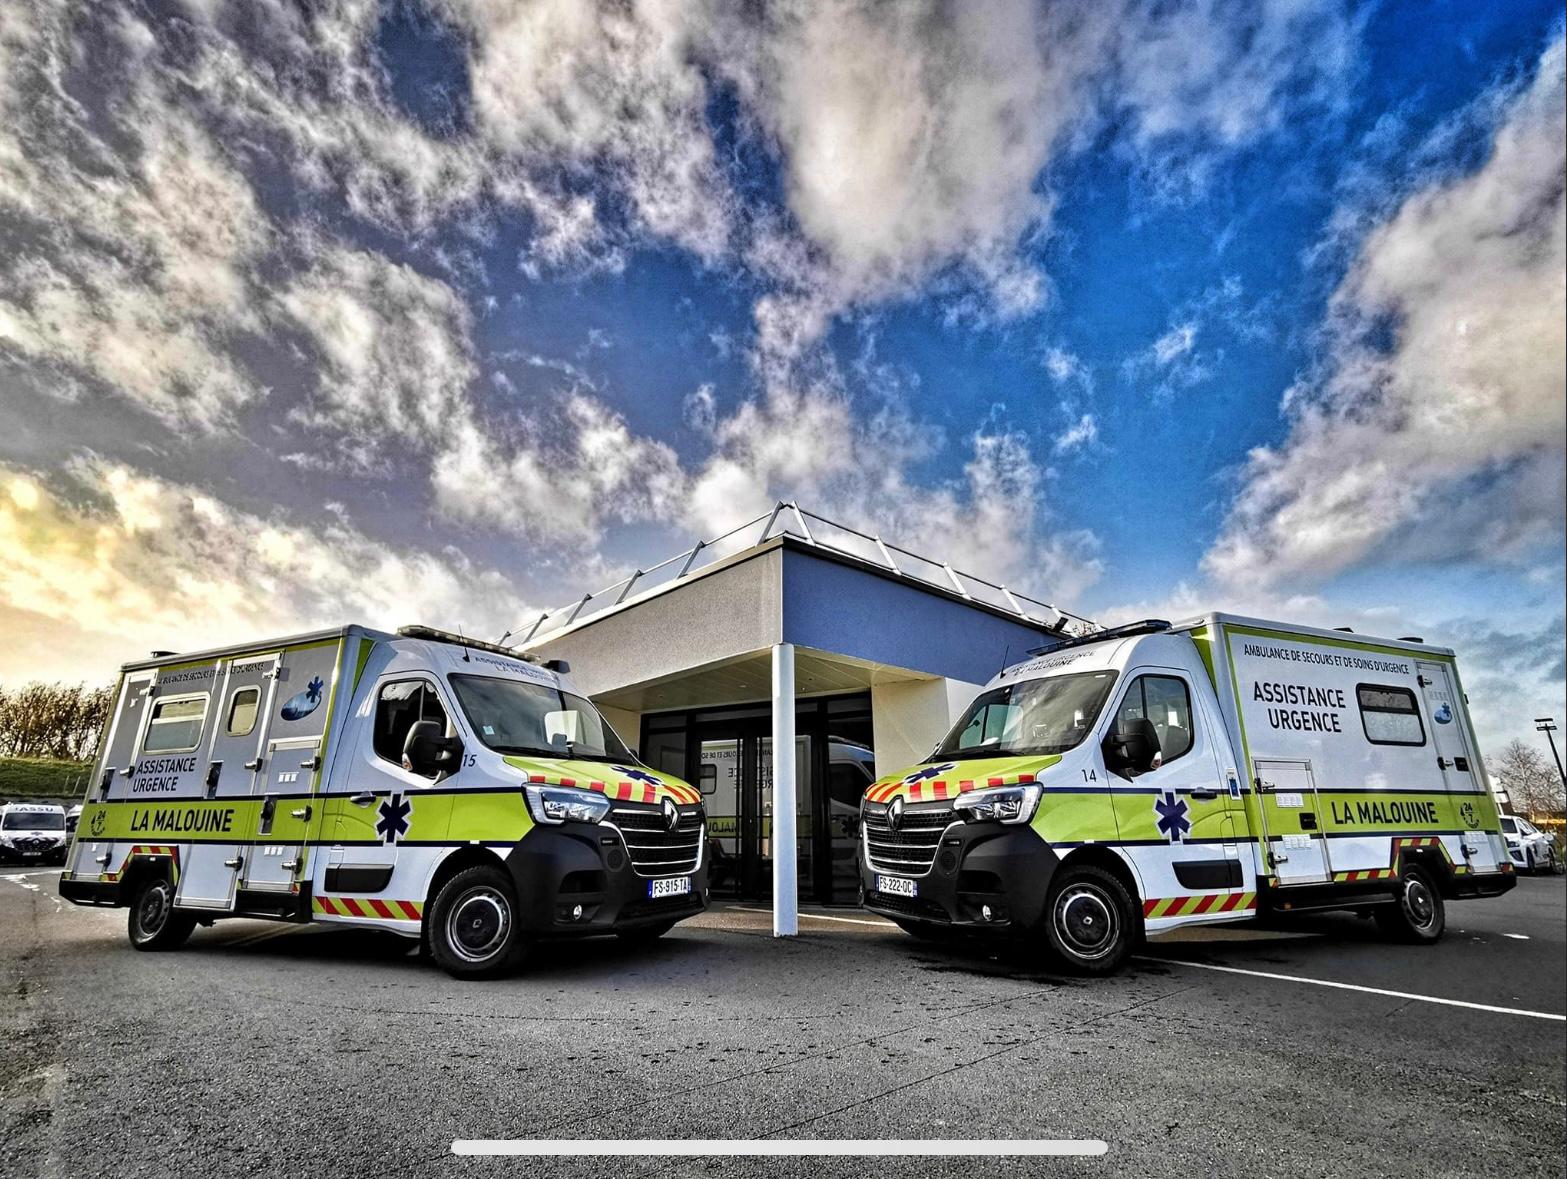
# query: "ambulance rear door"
{"type": "Point", "coordinates": [1455, 762]}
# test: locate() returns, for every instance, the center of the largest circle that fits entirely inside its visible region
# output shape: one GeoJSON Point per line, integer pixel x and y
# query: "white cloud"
{"type": "Point", "coordinates": [1083, 432]}
{"type": "Point", "coordinates": [560, 490]}
{"type": "Point", "coordinates": [873, 473]}
{"type": "Point", "coordinates": [1435, 428]}
{"type": "Point", "coordinates": [105, 562]}
{"type": "Point", "coordinates": [1175, 343]}
{"type": "Point", "coordinates": [392, 348]}
{"type": "Point", "coordinates": [133, 238]}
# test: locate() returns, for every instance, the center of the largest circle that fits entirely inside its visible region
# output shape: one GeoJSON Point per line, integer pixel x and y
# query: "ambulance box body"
{"type": "Point", "coordinates": [1152, 776]}
{"type": "Point", "coordinates": [416, 782]}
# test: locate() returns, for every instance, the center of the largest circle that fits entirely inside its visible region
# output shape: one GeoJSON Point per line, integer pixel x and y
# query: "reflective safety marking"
{"type": "Point", "coordinates": [353, 907]}
{"type": "Point", "coordinates": [144, 851]}
{"type": "Point", "coordinates": [1213, 902]}
{"type": "Point", "coordinates": [1366, 874]}
{"type": "Point", "coordinates": [624, 791]}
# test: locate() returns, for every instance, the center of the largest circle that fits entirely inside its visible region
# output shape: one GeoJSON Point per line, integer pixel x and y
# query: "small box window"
{"type": "Point", "coordinates": [244, 706]}
{"type": "Point", "coordinates": [1390, 716]}
{"type": "Point", "coordinates": [175, 725]}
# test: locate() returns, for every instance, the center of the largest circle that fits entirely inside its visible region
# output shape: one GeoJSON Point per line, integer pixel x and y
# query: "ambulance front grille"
{"type": "Point", "coordinates": [654, 849]}
{"type": "Point", "coordinates": [911, 849]}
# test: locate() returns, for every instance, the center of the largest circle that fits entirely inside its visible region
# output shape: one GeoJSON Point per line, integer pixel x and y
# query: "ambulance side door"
{"type": "Point", "coordinates": [1182, 807]}
{"type": "Point", "coordinates": [375, 798]}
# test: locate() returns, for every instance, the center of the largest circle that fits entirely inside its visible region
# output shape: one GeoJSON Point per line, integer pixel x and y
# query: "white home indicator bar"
{"type": "Point", "coordinates": [754, 1147]}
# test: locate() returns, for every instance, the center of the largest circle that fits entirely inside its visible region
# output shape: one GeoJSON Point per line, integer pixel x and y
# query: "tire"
{"type": "Point", "coordinates": [926, 931]}
{"type": "Point", "coordinates": [1090, 921]}
{"type": "Point", "coordinates": [154, 923]}
{"type": "Point", "coordinates": [644, 934]}
{"type": "Point", "coordinates": [1419, 915]}
{"type": "Point", "coordinates": [1529, 865]}
{"type": "Point", "coordinates": [472, 927]}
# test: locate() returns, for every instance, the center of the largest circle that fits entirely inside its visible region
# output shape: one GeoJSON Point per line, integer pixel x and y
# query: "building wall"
{"type": "Point", "coordinates": [851, 611]}
{"type": "Point", "coordinates": [625, 722]}
{"type": "Point", "coordinates": [910, 717]}
{"type": "Point", "coordinates": [716, 616]}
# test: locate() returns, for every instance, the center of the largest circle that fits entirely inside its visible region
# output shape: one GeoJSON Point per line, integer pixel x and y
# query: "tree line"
{"type": "Point", "coordinates": [52, 720]}
{"type": "Point", "coordinates": [1533, 786]}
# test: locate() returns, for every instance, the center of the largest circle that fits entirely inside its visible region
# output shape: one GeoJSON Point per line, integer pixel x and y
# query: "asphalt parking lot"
{"type": "Point", "coordinates": [263, 1049]}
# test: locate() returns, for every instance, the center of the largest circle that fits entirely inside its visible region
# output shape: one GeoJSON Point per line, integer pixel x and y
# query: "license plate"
{"type": "Point", "coordinates": [896, 886]}
{"type": "Point", "coordinates": [675, 886]}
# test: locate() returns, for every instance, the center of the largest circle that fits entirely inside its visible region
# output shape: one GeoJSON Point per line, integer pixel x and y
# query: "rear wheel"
{"type": "Point", "coordinates": [1418, 916]}
{"type": "Point", "coordinates": [1090, 923]}
{"type": "Point", "coordinates": [472, 925]}
{"type": "Point", "coordinates": [154, 923]}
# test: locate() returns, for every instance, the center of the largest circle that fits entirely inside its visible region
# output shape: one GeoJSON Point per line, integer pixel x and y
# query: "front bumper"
{"type": "Point", "coordinates": [977, 866]}
{"type": "Point", "coordinates": [29, 854]}
{"type": "Point", "coordinates": [577, 880]}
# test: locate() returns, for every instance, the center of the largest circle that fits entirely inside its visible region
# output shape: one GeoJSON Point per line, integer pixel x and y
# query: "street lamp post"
{"type": "Point", "coordinates": [1547, 726]}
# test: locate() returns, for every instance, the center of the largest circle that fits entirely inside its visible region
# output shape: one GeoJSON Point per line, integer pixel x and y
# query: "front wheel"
{"type": "Point", "coordinates": [154, 923]}
{"type": "Point", "coordinates": [1418, 916]}
{"type": "Point", "coordinates": [1090, 923]}
{"type": "Point", "coordinates": [472, 925]}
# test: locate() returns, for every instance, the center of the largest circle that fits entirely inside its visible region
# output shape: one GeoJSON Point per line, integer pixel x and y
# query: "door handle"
{"type": "Point", "coordinates": [253, 764]}
{"type": "Point", "coordinates": [302, 812]}
{"type": "Point", "coordinates": [365, 799]}
{"type": "Point", "coordinates": [1442, 763]}
{"type": "Point", "coordinates": [236, 862]}
{"type": "Point", "coordinates": [1205, 795]}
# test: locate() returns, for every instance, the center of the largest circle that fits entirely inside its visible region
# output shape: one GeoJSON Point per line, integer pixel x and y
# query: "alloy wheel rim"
{"type": "Point", "coordinates": [154, 909]}
{"type": "Point", "coordinates": [1419, 903]}
{"type": "Point", "coordinates": [479, 924]}
{"type": "Point", "coordinates": [1086, 921]}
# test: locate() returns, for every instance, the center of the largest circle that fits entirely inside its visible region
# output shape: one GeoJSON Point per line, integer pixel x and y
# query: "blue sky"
{"type": "Point", "coordinates": [453, 310]}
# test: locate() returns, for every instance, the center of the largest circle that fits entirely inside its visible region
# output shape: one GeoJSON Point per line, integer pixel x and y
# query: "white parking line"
{"type": "Point", "coordinates": [1342, 986]}
{"type": "Point", "coordinates": [773, 1147]}
{"type": "Point", "coordinates": [821, 917]}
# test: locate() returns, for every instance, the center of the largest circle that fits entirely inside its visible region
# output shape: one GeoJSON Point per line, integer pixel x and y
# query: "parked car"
{"type": "Point", "coordinates": [32, 833]}
{"type": "Point", "coordinates": [72, 817]}
{"type": "Point", "coordinates": [1530, 848]}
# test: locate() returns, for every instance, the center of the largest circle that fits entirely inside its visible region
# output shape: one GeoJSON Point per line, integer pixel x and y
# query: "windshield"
{"type": "Point", "coordinates": [1030, 717]}
{"type": "Point", "coordinates": [34, 821]}
{"type": "Point", "coordinates": [536, 720]}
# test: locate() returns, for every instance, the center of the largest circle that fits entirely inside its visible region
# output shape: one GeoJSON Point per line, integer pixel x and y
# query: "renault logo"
{"type": "Point", "coordinates": [895, 813]}
{"type": "Point", "coordinates": [671, 815]}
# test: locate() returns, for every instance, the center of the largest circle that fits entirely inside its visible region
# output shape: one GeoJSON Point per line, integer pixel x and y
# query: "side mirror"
{"type": "Point", "coordinates": [427, 750]}
{"type": "Point", "coordinates": [1131, 748]}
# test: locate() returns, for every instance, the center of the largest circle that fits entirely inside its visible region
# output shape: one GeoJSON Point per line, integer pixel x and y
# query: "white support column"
{"type": "Point", "coordinates": [786, 918]}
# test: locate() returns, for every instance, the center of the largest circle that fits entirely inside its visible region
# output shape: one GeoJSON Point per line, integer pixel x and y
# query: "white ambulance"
{"type": "Point", "coordinates": [442, 789]}
{"type": "Point", "coordinates": [1152, 776]}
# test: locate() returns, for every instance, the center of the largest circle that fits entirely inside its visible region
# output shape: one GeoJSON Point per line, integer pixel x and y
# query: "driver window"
{"type": "Point", "coordinates": [397, 707]}
{"type": "Point", "coordinates": [1165, 701]}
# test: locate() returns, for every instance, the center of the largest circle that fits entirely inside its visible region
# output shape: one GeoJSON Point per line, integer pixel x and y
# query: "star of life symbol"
{"type": "Point", "coordinates": [1172, 810]}
{"type": "Point", "coordinates": [922, 774]}
{"type": "Point", "coordinates": [394, 815]}
{"type": "Point", "coordinates": [637, 775]}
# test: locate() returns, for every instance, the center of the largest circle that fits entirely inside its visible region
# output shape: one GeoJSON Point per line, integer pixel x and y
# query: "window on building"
{"type": "Point", "coordinates": [397, 708]}
{"type": "Point", "coordinates": [244, 706]}
{"type": "Point", "coordinates": [1167, 702]}
{"type": "Point", "coordinates": [175, 726]}
{"type": "Point", "coordinates": [1390, 716]}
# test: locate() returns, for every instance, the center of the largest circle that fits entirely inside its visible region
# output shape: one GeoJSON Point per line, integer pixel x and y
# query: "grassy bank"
{"type": "Point", "coordinates": [42, 777]}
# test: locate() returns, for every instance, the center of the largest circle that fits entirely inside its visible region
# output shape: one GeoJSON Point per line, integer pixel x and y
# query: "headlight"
{"type": "Point", "coordinates": [560, 804]}
{"type": "Point", "coordinates": [1004, 804]}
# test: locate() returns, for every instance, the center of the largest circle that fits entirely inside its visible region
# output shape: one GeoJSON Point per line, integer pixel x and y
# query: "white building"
{"type": "Point", "coordinates": [876, 650]}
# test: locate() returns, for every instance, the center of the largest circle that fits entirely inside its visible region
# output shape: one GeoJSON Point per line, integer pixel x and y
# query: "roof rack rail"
{"type": "Point", "coordinates": [1148, 626]}
{"type": "Point", "coordinates": [430, 634]}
